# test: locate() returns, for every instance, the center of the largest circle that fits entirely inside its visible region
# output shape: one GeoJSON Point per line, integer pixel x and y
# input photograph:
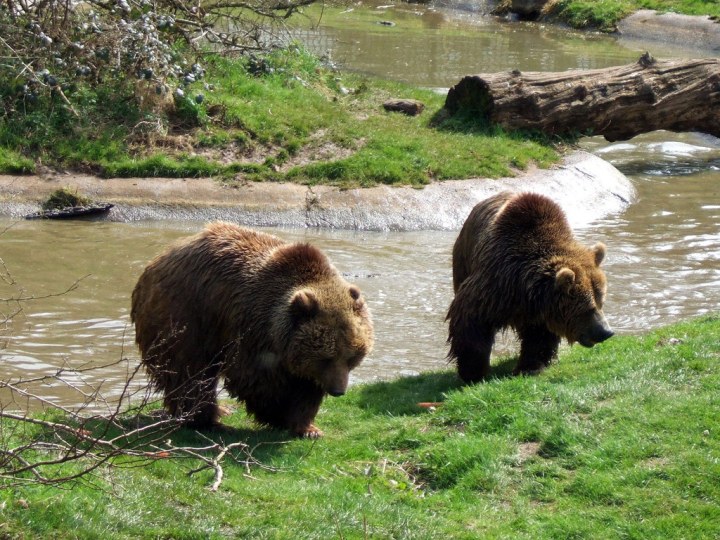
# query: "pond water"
{"type": "Point", "coordinates": [435, 47]}
{"type": "Point", "coordinates": [663, 260]}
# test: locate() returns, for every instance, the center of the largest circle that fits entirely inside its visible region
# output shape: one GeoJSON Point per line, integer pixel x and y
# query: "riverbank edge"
{"type": "Point", "coordinates": [689, 31]}
{"type": "Point", "coordinates": [586, 186]}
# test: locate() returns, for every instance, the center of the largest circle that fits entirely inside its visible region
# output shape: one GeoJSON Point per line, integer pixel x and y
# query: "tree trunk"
{"type": "Point", "coordinates": [617, 102]}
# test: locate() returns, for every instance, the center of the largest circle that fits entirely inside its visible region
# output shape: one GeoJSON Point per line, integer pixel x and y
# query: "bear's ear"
{"type": "Point", "coordinates": [354, 292]}
{"type": "Point", "coordinates": [304, 304]}
{"type": "Point", "coordinates": [599, 251]}
{"type": "Point", "coordinates": [564, 279]}
{"type": "Point", "coordinates": [356, 296]}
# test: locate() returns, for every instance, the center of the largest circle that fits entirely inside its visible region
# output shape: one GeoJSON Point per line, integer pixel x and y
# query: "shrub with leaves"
{"type": "Point", "coordinates": [146, 51]}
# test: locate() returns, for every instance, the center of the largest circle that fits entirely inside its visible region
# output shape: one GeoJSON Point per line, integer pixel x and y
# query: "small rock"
{"type": "Point", "coordinates": [411, 107]}
{"type": "Point", "coordinates": [528, 9]}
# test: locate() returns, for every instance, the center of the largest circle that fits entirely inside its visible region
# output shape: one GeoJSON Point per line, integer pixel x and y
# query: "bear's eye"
{"type": "Point", "coordinates": [587, 300]}
{"type": "Point", "coordinates": [355, 361]}
{"type": "Point", "coordinates": [599, 296]}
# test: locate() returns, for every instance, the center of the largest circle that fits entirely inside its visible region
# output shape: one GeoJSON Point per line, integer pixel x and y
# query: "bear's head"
{"type": "Point", "coordinates": [331, 333]}
{"type": "Point", "coordinates": [579, 292]}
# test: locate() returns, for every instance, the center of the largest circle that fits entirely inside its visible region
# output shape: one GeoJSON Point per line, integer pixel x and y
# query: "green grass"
{"type": "Point", "coordinates": [12, 162]}
{"type": "Point", "coordinates": [605, 14]}
{"type": "Point", "coordinates": [282, 117]}
{"type": "Point", "coordinates": [619, 441]}
{"type": "Point", "coordinates": [181, 166]}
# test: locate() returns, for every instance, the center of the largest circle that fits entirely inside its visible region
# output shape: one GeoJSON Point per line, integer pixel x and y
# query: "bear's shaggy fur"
{"type": "Point", "coordinates": [275, 320]}
{"type": "Point", "coordinates": [516, 264]}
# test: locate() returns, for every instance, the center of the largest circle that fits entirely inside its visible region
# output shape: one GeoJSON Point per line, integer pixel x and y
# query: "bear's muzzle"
{"type": "Point", "coordinates": [598, 331]}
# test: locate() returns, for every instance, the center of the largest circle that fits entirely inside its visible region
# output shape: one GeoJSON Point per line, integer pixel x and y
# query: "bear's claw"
{"type": "Point", "coordinates": [310, 432]}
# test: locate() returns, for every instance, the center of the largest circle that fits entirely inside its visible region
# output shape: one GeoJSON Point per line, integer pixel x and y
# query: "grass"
{"type": "Point", "coordinates": [63, 198]}
{"type": "Point", "coordinates": [281, 117]}
{"type": "Point", "coordinates": [12, 162]}
{"type": "Point", "coordinates": [605, 14]}
{"type": "Point", "coordinates": [619, 441]}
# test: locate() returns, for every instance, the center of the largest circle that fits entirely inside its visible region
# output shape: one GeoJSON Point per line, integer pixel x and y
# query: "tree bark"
{"type": "Point", "coordinates": [617, 102]}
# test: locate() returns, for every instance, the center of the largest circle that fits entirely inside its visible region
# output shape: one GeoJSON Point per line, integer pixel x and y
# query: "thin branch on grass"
{"type": "Point", "coordinates": [37, 450]}
{"type": "Point", "coordinates": [60, 445]}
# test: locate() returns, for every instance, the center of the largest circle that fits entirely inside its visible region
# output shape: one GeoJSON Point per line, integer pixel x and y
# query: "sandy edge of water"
{"type": "Point", "coordinates": [585, 185]}
{"type": "Point", "coordinates": [689, 31]}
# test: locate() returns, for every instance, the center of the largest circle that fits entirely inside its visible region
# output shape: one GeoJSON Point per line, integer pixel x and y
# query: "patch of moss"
{"type": "Point", "coordinates": [64, 198]}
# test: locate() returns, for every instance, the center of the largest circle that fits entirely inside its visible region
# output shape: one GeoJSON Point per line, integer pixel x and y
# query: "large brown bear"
{"type": "Point", "coordinates": [516, 264]}
{"type": "Point", "coordinates": [275, 320]}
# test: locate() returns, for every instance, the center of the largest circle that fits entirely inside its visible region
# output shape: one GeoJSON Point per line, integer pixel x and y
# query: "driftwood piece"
{"type": "Point", "coordinates": [617, 102]}
{"type": "Point", "coordinates": [411, 107]}
{"type": "Point", "coordinates": [70, 212]}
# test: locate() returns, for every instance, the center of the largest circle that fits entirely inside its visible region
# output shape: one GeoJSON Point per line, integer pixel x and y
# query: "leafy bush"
{"type": "Point", "coordinates": [59, 58]}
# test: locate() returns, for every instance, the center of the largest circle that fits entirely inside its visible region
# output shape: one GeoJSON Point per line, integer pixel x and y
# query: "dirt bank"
{"type": "Point", "coordinates": [585, 185]}
{"type": "Point", "coordinates": [688, 32]}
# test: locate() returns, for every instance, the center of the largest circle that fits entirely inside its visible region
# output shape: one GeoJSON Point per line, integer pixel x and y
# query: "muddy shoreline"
{"type": "Point", "coordinates": [586, 186]}
{"type": "Point", "coordinates": [687, 31]}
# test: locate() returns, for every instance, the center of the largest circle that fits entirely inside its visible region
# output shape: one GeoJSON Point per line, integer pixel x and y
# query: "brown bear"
{"type": "Point", "coordinates": [275, 320]}
{"type": "Point", "coordinates": [516, 264]}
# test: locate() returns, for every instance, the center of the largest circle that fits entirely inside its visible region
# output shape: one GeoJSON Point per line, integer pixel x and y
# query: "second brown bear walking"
{"type": "Point", "coordinates": [275, 320]}
{"type": "Point", "coordinates": [516, 264]}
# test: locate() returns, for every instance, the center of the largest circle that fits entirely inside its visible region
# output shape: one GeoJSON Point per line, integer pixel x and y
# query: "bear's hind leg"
{"type": "Point", "coordinates": [538, 347]}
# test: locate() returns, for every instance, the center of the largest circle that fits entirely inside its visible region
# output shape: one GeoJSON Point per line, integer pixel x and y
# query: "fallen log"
{"type": "Point", "coordinates": [617, 102]}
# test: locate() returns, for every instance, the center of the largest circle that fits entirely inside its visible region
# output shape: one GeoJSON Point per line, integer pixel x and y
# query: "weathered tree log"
{"type": "Point", "coordinates": [617, 102]}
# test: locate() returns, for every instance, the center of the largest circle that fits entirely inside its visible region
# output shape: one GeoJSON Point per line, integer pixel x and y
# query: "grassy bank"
{"type": "Point", "coordinates": [605, 14]}
{"type": "Point", "coordinates": [620, 441]}
{"type": "Point", "coordinates": [285, 116]}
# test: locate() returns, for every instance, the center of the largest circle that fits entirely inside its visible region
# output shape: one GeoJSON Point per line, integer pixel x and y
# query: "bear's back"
{"type": "Point", "coordinates": [533, 217]}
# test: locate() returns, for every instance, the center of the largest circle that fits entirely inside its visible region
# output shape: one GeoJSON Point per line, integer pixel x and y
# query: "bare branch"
{"type": "Point", "coordinates": [71, 446]}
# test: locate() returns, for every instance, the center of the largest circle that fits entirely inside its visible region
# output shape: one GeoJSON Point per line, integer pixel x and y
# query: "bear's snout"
{"type": "Point", "coordinates": [335, 380]}
{"type": "Point", "coordinates": [598, 331]}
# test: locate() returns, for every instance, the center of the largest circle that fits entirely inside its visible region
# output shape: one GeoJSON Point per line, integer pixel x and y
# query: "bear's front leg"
{"type": "Point", "coordinates": [472, 354]}
{"type": "Point", "coordinates": [301, 413]}
{"type": "Point", "coordinates": [193, 397]}
{"type": "Point", "coordinates": [292, 406]}
{"type": "Point", "coordinates": [538, 347]}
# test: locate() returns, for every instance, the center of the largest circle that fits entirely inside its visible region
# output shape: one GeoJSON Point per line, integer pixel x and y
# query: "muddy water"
{"type": "Point", "coordinates": [665, 248]}
{"type": "Point", "coordinates": [663, 261]}
{"type": "Point", "coordinates": [663, 265]}
{"type": "Point", "coordinates": [434, 46]}
{"type": "Point", "coordinates": [405, 277]}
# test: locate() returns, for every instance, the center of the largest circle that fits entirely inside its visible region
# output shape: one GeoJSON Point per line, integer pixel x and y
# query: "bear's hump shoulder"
{"type": "Point", "coordinates": [531, 211]}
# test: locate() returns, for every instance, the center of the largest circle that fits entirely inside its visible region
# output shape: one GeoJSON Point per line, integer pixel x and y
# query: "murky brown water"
{"type": "Point", "coordinates": [663, 265]}
{"type": "Point", "coordinates": [663, 261]}
{"type": "Point", "coordinates": [436, 47]}
{"type": "Point", "coordinates": [665, 248]}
